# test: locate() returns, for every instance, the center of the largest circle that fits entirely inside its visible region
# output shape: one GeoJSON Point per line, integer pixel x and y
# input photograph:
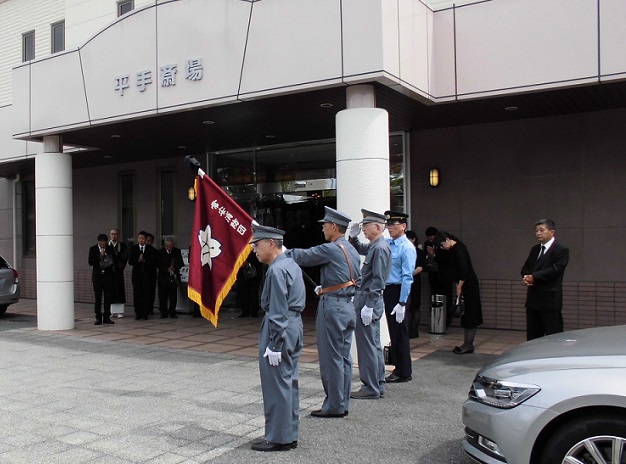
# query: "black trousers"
{"type": "Point", "coordinates": [143, 294]}
{"type": "Point", "coordinates": [248, 293]}
{"type": "Point", "coordinates": [104, 285]}
{"type": "Point", "coordinates": [399, 333]}
{"type": "Point", "coordinates": [168, 298]}
{"type": "Point", "coordinates": [540, 323]}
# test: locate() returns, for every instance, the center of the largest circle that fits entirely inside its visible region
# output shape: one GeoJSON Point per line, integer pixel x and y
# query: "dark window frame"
{"type": "Point", "coordinates": [122, 7]}
{"type": "Point", "coordinates": [126, 200]}
{"type": "Point", "coordinates": [166, 203]}
{"type": "Point", "coordinates": [54, 27]}
{"type": "Point", "coordinates": [29, 219]}
{"type": "Point", "coordinates": [26, 48]}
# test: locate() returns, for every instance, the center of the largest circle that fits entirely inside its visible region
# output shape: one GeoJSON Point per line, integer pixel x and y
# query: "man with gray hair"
{"type": "Point", "coordinates": [170, 260]}
{"type": "Point", "coordinates": [542, 274]}
{"type": "Point", "coordinates": [340, 275]}
{"type": "Point", "coordinates": [280, 340]}
{"type": "Point", "coordinates": [369, 304]}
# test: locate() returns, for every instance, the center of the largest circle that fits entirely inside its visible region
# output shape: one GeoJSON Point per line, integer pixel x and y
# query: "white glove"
{"type": "Point", "coordinates": [318, 289]}
{"type": "Point", "coordinates": [398, 310]}
{"type": "Point", "coordinates": [366, 315]}
{"type": "Point", "coordinates": [355, 230]}
{"type": "Point", "coordinates": [274, 357]}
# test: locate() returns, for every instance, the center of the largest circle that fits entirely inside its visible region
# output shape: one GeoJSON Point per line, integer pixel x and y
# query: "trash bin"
{"type": "Point", "coordinates": [437, 314]}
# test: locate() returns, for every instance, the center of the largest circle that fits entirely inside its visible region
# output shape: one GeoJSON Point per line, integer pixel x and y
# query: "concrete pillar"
{"type": "Point", "coordinates": [363, 162]}
{"type": "Point", "coordinates": [55, 247]}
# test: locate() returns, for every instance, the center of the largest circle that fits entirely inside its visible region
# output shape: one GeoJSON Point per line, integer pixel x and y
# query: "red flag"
{"type": "Point", "coordinates": [221, 233]}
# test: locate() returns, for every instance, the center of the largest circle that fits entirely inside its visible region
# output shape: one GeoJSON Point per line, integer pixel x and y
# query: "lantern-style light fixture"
{"type": "Point", "coordinates": [191, 193]}
{"type": "Point", "coordinates": [434, 177]}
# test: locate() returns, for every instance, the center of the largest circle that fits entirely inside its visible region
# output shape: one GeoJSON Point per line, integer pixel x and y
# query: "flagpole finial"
{"type": "Point", "coordinates": [192, 163]}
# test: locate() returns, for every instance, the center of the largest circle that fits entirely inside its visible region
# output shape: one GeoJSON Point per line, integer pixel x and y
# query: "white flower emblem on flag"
{"type": "Point", "coordinates": [209, 247]}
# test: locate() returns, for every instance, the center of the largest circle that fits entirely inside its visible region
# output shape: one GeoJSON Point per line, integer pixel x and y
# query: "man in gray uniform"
{"type": "Point", "coordinates": [280, 340]}
{"type": "Point", "coordinates": [369, 305]}
{"type": "Point", "coordinates": [339, 276]}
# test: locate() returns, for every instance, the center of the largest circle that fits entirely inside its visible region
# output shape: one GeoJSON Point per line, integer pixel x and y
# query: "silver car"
{"type": "Point", "coordinates": [555, 400]}
{"type": "Point", "coordinates": [9, 285]}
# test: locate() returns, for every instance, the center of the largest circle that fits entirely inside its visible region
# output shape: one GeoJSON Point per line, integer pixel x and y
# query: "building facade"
{"type": "Point", "coordinates": [292, 104]}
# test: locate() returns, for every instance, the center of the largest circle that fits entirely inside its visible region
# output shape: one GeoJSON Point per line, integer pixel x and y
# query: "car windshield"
{"type": "Point", "coordinates": [4, 264]}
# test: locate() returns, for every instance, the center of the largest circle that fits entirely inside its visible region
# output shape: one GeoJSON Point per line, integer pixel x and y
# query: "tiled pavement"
{"type": "Point", "coordinates": [179, 391]}
{"type": "Point", "coordinates": [237, 336]}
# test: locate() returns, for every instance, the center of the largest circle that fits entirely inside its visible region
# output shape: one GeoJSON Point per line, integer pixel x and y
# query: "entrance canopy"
{"type": "Point", "coordinates": [191, 76]}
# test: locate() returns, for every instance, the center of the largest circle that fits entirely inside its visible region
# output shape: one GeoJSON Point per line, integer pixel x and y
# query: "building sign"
{"type": "Point", "coordinates": [167, 76]}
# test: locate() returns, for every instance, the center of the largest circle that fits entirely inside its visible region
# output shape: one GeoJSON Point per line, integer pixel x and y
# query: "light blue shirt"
{"type": "Point", "coordinates": [403, 256]}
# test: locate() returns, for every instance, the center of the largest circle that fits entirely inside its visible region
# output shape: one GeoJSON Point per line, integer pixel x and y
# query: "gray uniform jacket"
{"type": "Point", "coordinates": [375, 271]}
{"type": "Point", "coordinates": [283, 291]}
{"type": "Point", "coordinates": [334, 268]}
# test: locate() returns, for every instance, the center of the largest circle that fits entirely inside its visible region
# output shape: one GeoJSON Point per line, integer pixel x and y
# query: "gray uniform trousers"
{"type": "Point", "coordinates": [334, 325]}
{"type": "Point", "coordinates": [281, 396]}
{"type": "Point", "coordinates": [369, 348]}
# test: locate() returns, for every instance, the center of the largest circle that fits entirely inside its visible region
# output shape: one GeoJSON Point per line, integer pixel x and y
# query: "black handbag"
{"type": "Point", "coordinates": [107, 262]}
{"type": "Point", "coordinates": [459, 307]}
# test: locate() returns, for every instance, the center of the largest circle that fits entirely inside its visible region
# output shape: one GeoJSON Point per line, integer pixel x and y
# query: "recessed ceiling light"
{"type": "Point", "coordinates": [510, 108]}
{"type": "Point", "coordinates": [116, 136]}
{"type": "Point", "coordinates": [326, 105]}
{"type": "Point", "coordinates": [208, 122]}
{"type": "Point", "coordinates": [270, 136]}
{"type": "Point", "coordinates": [108, 157]}
{"type": "Point", "coordinates": [182, 147]}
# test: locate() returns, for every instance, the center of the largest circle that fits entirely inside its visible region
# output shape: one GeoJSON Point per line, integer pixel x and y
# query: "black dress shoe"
{"type": "Point", "coordinates": [98, 322]}
{"type": "Point", "coordinates": [173, 315]}
{"type": "Point", "coordinates": [269, 446]}
{"type": "Point", "coordinates": [328, 415]}
{"type": "Point", "coordinates": [163, 316]}
{"type": "Point", "coordinates": [145, 318]}
{"type": "Point", "coordinates": [393, 378]}
{"type": "Point", "coordinates": [108, 321]}
{"type": "Point", "coordinates": [137, 318]}
{"type": "Point", "coordinates": [459, 350]}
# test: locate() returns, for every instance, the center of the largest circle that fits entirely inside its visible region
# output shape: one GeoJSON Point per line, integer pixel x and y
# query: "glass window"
{"type": "Point", "coordinates": [58, 37]}
{"type": "Point", "coordinates": [167, 203]}
{"type": "Point", "coordinates": [28, 219]}
{"type": "Point", "coordinates": [124, 7]}
{"type": "Point", "coordinates": [396, 172]}
{"type": "Point", "coordinates": [127, 186]}
{"type": "Point", "coordinates": [28, 46]}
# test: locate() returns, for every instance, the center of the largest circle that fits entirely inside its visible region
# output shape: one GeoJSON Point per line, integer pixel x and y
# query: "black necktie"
{"type": "Point", "coordinates": [142, 250]}
{"type": "Point", "coordinates": [541, 253]}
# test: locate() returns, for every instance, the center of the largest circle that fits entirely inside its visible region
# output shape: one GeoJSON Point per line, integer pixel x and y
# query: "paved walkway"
{"type": "Point", "coordinates": [180, 391]}
{"type": "Point", "coordinates": [239, 337]}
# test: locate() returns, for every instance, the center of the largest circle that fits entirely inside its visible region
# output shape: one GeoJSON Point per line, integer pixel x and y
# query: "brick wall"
{"type": "Point", "coordinates": [585, 304]}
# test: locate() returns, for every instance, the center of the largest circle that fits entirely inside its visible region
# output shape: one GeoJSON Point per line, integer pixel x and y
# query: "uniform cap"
{"type": "Point", "coordinates": [395, 217]}
{"type": "Point", "coordinates": [336, 217]}
{"type": "Point", "coordinates": [370, 216]}
{"type": "Point", "coordinates": [260, 232]}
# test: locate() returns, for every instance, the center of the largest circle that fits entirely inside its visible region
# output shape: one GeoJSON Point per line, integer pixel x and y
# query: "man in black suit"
{"type": "Point", "coordinates": [543, 275]}
{"type": "Point", "coordinates": [170, 261]}
{"type": "Point", "coordinates": [143, 258]}
{"type": "Point", "coordinates": [102, 260]}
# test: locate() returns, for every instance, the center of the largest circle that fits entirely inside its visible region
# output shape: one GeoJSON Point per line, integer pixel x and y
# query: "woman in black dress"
{"type": "Point", "coordinates": [467, 286]}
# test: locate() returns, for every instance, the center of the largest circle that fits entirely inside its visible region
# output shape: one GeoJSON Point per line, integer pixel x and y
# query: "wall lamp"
{"type": "Point", "coordinates": [434, 177]}
{"type": "Point", "coordinates": [191, 193]}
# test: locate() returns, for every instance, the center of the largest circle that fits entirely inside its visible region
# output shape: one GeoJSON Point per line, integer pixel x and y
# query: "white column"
{"type": "Point", "coordinates": [55, 247]}
{"type": "Point", "coordinates": [363, 162]}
